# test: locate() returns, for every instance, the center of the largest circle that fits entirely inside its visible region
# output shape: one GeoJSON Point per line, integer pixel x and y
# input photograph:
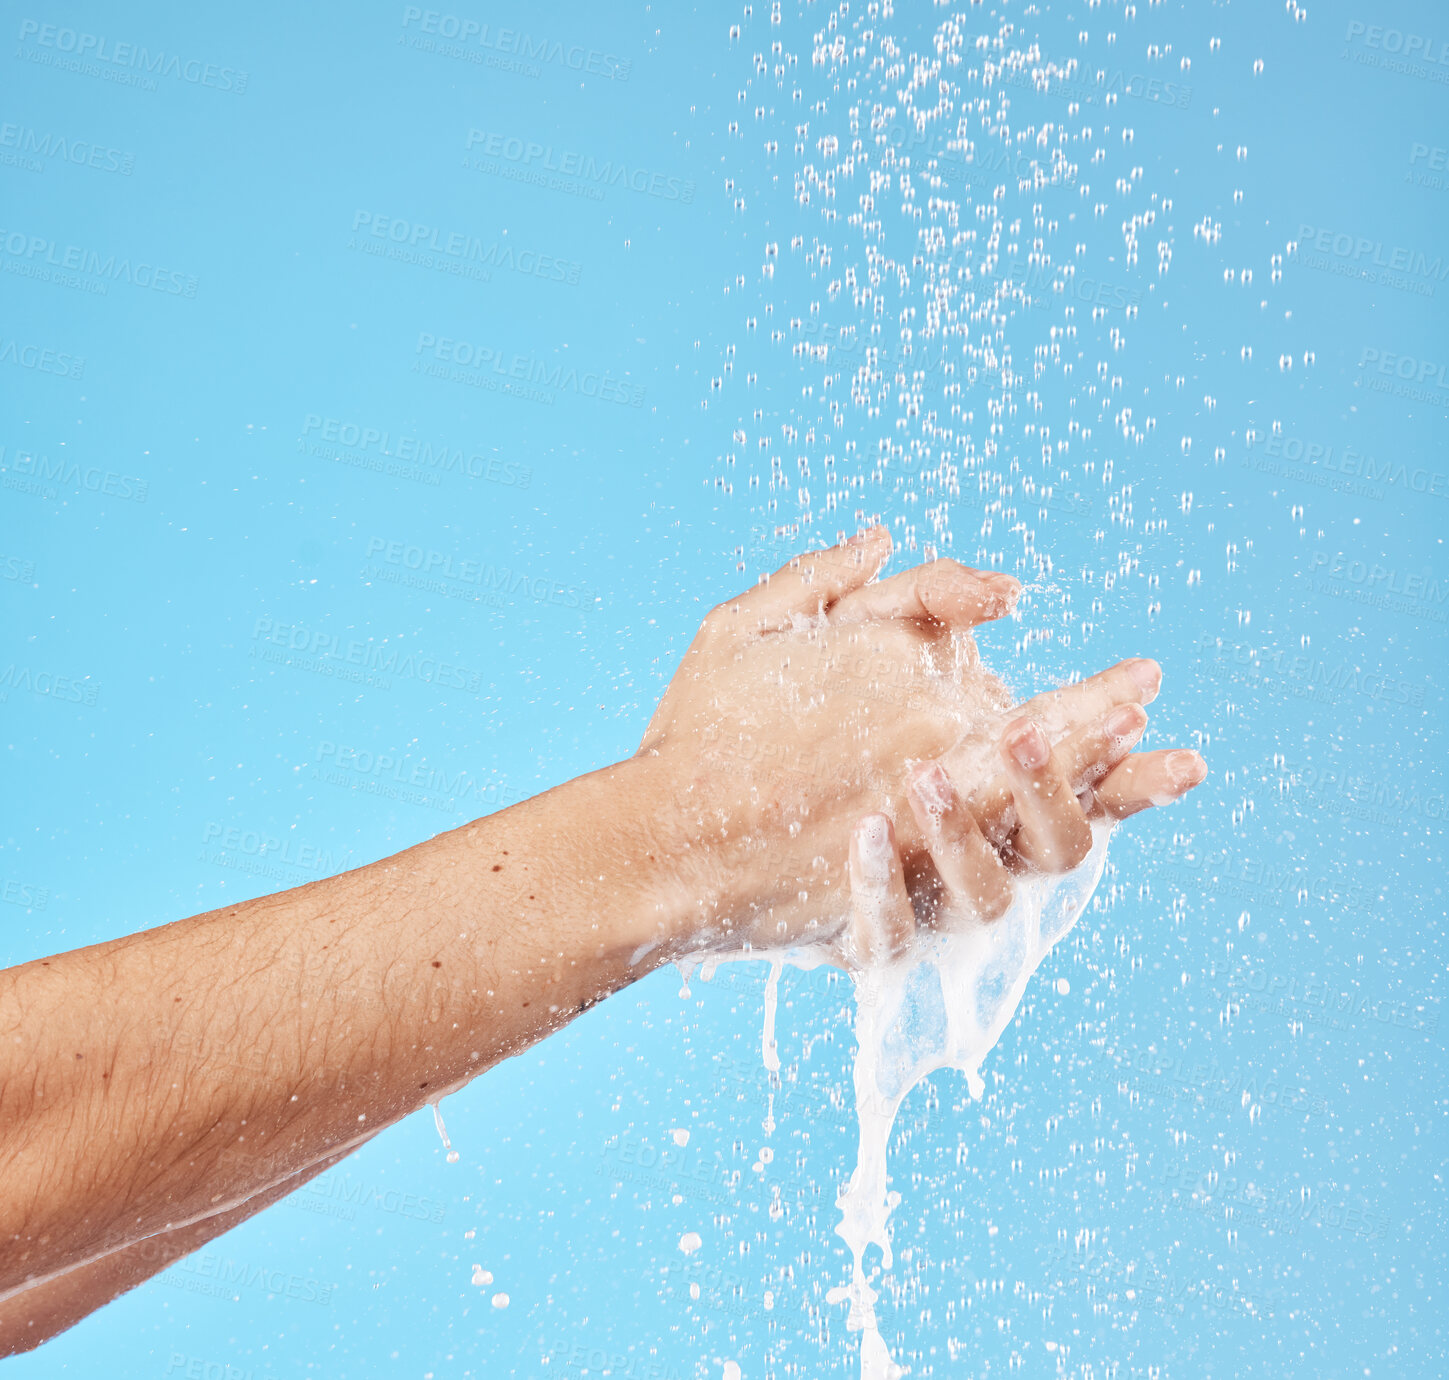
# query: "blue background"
{"type": "Point", "coordinates": [1220, 1151]}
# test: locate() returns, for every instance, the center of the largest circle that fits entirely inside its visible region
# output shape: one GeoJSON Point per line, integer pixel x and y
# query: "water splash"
{"type": "Point", "coordinates": [770, 1051]}
{"type": "Point", "coordinates": [944, 1005]}
{"type": "Point", "coordinates": [452, 1154]}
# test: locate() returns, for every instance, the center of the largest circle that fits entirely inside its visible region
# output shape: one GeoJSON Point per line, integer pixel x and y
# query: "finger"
{"type": "Point", "coordinates": [1149, 778]}
{"type": "Point", "coordinates": [882, 923]}
{"type": "Point", "coordinates": [809, 584]}
{"type": "Point", "coordinates": [1074, 706]}
{"type": "Point", "coordinates": [1085, 757]}
{"type": "Point", "coordinates": [971, 871]}
{"type": "Point", "coordinates": [943, 592]}
{"type": "Point", "coordinates": [1053, 833]}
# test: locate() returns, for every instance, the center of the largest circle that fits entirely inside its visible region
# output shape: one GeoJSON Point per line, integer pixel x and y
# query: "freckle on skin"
{"type": "Point", "coordinates": [498, 867]}
{"type": "Point", "coordinates": [437, 963]}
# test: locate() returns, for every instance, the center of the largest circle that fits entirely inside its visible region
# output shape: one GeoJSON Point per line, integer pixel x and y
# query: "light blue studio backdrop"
{"type": "Point", "coordinates": [372, 446]}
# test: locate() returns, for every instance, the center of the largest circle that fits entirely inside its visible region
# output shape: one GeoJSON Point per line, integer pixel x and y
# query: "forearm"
{"type": "Point", "coordinates": [37, 1314]}
{"type": "Point", "coordinates": [167, 1076]}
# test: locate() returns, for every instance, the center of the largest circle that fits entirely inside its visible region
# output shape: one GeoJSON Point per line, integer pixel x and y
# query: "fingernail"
{"type": "Point", "coordinates": [1185, 769]}
{"type": "Point", "coordinates": [1029, 747]}
{"type": "Point", "coordinates": [1125, 721]}
{"type": "Point", "coordinates": [932, 787]}
{"type": "Point", "coordinates": [874, 847]}
{"type": "Point", "coordinates": [1147, 674]}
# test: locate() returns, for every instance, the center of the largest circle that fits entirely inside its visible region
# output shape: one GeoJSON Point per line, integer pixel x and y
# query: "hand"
{"type": "Point", "coordinates": [969, 879]}
{"type": "Point", "coordinates": [799, 708]}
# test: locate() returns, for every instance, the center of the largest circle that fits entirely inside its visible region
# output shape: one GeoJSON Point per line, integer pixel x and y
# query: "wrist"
{"type": "Point", "coordinates": [687, 890]}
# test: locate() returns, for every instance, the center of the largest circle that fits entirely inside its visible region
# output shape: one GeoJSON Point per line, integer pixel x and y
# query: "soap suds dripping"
{"type": "Point", "coordinates": [452, 1154]}
{"type": "Point", "coordinates": [769, 1048]}
{"type": "Point", "coordinates": [944, 1005]}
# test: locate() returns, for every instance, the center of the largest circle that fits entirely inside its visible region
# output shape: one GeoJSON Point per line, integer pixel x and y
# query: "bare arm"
{"type": "Point", "coordinates": [37, 1314]}
{"type": "Point", "coordinates": [294, 1026]}
{"type": "Point", "coordinates": [157, 1084]}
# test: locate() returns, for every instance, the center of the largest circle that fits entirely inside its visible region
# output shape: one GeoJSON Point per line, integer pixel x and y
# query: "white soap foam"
{"type": "Point", "coordinates": [943, 1005]}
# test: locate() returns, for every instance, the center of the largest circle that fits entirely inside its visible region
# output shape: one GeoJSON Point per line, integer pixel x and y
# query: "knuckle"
{"type": "Point", "coordinates": [716, 627]}
{"type": "Point", "coordinates": [1076, 846]}
{"type": "Point", "coordinates": [995, 902]}
{"type": "Point", "coordinates": [944, 575]}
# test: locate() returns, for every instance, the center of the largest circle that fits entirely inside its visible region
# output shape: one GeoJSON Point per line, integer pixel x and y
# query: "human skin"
{"type": "Point", "coordinates": [131, 1132]}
